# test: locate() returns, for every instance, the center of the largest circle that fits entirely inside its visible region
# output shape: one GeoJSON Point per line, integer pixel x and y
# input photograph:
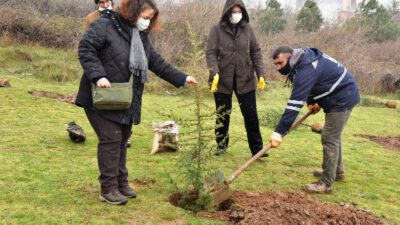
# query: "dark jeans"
{"type": "Point", "coordinates": [111, 152]}
{"type": "Point", "coordinates": [331, 139]}
{"type": "Point", "coordinates": [248, 106]}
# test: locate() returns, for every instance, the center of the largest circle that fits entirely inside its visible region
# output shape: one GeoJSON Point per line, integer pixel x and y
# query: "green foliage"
{"type": "Point", "coordinates": [270, 118]}
{"type": "Point", "coordinates": [309, 18]}
{"type": "Point", "coordinates": [271, 20]}
{"type": "Point", "coordinates": [368, 101]}
{"type": "Point", "coordinates": [58, 72]}
{"type": "Point", "coordinates": [196, 136]}
{"type": "Point", "coordinates": [378, 22]}
{"type": "Point", "coordinates": [40, 62]}
{"type": "Point", "coordinates": [56, 31]}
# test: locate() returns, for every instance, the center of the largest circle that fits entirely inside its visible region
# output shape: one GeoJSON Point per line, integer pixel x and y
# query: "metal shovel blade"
{"type": "Point", "coordinates": [217, 188]}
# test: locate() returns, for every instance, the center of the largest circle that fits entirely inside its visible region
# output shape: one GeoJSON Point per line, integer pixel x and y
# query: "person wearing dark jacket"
{"type": "Point", "coordinates": [236, 65]}
{"type": "Point", "coordinates": [116, 47]}
{"type": "Point", "coordinates": [321, 82]}
{"type": "Point", "coordinates": [102, 6]}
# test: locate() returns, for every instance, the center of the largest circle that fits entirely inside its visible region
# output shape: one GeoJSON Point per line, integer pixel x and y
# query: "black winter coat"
{"type": "Point", "coordinates": [234, 55]}
{"type": "Point", "coordinates": [104, 52]}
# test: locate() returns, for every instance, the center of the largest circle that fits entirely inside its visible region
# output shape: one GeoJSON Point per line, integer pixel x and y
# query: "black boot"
{"type": "Point", "coordinates": [114, 198]}
{"type": "Point", "coordinates": [220, 151]}
{"type": "Point", "coordinates": [127, 192]}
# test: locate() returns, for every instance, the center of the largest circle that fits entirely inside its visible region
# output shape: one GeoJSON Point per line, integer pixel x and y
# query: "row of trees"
{"type": "Point", "coordinates": [372, 17]}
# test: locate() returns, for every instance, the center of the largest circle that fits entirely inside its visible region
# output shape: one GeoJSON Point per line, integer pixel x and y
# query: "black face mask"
{"type": "Point", "coordinates": [286, 69]}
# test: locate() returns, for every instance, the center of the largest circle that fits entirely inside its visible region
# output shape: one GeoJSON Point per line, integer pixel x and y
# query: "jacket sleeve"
{"type": "Point", "coordinates": [311, 101]}
{"type": "Point", "coordinates": [212, 52]}
{"type": "Point", "coordinates": [256, 54]}
{"type": "Point", "coordinates": [164, 70]}
{"type": "Point", "coordinates": [86, 25]}
{"type": "Point", "coordinates": [303, 85]}
{"type": "Point", "coordinates": [89, 46]}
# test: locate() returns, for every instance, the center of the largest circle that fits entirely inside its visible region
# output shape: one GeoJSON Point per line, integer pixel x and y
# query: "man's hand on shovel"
{"type": "Point", "coordinates": [314, 108]}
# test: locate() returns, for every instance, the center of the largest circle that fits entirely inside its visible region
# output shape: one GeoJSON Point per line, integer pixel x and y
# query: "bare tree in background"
{"type": "Point", "coordinates": [394, 6]}
{"type": "Point", "coordinates": [70, 8]}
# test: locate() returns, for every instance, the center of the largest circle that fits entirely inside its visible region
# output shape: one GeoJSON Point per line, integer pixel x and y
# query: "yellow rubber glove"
{"type": "Point", "coordinates": [215, 83]}
{"type": "Point", "coordinates": [314, 108]}
{"type": "Point", "coordinates": [276, 140]}
{"type": "Point", "coordinates": [261, 83]}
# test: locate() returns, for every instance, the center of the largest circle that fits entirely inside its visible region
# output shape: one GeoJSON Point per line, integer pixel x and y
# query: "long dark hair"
{"type": "Point", "coordinates": [131, 9]}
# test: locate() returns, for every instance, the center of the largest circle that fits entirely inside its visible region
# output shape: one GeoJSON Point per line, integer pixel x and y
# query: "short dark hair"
{"type": "Point", "coordinates": [282, 49]}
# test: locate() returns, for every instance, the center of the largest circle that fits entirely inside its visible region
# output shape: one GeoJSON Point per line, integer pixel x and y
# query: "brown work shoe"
{"type": "Point", "coordinates": [318, 173]}
{"type": "Point", "coordinates": [317, 187]}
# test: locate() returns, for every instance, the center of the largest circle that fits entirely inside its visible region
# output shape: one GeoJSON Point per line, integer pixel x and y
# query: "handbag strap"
{"type": "Point", "coordinates": [131, 80]}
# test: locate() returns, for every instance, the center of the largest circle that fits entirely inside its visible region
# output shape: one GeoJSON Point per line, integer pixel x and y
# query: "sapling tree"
{"type": "Point", "coordinates": [196, 135]}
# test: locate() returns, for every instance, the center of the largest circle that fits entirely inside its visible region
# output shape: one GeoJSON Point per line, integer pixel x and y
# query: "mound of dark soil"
{"type": "Point", "coordinates": [288, 208]}
{"type": "Point", "coordinates": [388, 142]}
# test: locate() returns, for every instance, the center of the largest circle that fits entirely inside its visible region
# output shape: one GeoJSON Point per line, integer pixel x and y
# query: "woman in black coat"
{"type": "Point", "coordinates": [115, 47]}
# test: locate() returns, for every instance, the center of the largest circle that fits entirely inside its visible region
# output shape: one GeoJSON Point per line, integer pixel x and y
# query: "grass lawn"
{"type": "Point", "coordinates": [46, 179]}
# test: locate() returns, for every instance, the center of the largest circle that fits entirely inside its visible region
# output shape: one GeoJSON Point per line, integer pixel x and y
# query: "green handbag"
{"type": "Point", "coordinates": [118, 97]}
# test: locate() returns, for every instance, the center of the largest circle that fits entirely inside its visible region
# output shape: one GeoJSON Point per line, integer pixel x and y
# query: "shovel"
{"type": "Point", "coordinates": [218, 187]}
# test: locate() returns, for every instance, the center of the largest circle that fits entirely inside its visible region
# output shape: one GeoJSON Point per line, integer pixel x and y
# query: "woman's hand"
{"type": "Point", "coordinates": [214, 84]}
{"type": "Point", "coordinates": [261, 84]}
{"type": "Point", "coordinates": [191, 80]}
{"type": "Point", "coordinates": [103, 83]}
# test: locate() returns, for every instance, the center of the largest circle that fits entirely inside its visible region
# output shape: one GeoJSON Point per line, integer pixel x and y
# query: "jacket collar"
{"type": "Point", "coordinates": [123, 27]}
{"type": "Point", "coordinates": [228, 27]}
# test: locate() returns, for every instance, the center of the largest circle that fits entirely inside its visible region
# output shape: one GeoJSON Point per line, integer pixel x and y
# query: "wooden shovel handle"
{"type": "Point", "coordinates": [235, 174]}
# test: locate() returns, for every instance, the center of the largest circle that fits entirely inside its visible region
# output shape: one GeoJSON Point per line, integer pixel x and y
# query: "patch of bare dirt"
{"type": "Point", "coordinates": [390, 142]}
{"type": "Point", "coordinates": [145, 181]}
{"type": "Point", "coordinates": [62, 98]}
{"type": "Point", "coordinates": [88, 191]}
{"type": "Point", "coordinates": [290, 209]}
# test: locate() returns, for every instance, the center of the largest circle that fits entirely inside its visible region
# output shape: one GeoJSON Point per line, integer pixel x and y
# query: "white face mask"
{"type": "Point", "coordinates": [236, 18]}
{"type": "Point", "coordinates": [142, 24]}
{"type": "Point", "coordinates": [102, 9]}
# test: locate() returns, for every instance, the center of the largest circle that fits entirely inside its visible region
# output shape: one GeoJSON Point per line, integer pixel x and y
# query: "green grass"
{"type": "Point", "coordinates": [46, 179]}
{"type": "Point", "coordinates": [47, 64]}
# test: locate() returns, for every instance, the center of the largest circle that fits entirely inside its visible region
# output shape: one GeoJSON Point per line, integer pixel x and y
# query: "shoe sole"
{"type": "Point", "coordinates": [112, 203]}
{"type": "Point", "coordinates": [218, 154]}
{"type": "Point", "coordinates": [317, 192]}
{"type": "Point", "coordinates": [129, 196]}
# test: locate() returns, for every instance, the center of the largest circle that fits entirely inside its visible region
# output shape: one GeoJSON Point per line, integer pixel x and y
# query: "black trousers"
{"type": "Point", "coordinates": [111, 151]}
{"type": "Point", "coordinates": [248, 107]}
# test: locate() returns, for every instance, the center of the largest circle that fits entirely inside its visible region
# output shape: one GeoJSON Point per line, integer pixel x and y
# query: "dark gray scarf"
{"type": "Point", "coordinates": [138, 63]}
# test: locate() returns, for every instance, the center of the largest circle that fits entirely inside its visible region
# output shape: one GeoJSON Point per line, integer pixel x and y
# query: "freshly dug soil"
{"type": "Point", "coordinates": [390, 142]}
{"type": "Point", "coordinates": [62, 98]}
{"type": "Point", "coordinates": [288, 208]}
